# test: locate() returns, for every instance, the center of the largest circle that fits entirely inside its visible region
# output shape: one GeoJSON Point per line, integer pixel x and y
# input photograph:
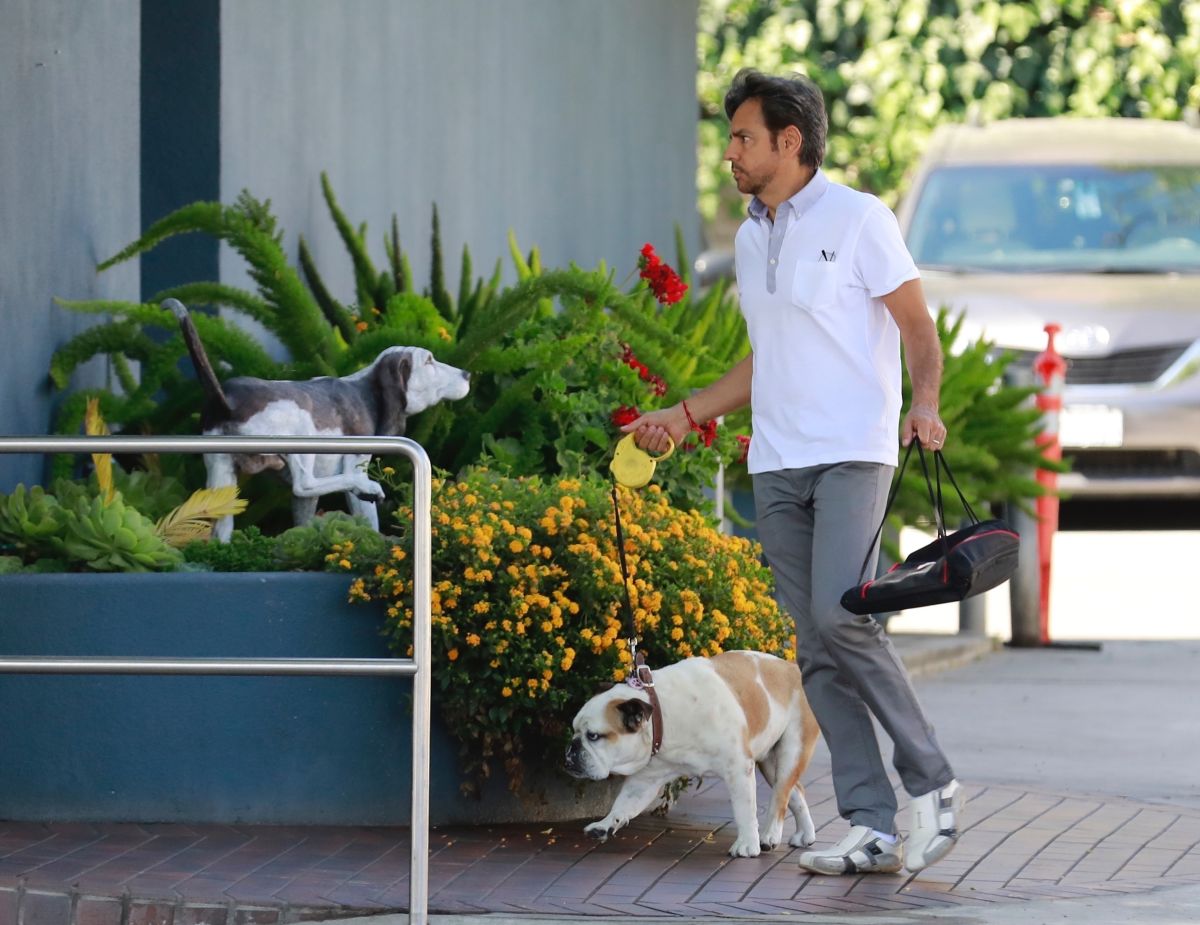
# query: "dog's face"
{"type": "Point", "coordinates": [612, 735]}
{"type": "Point", "coordinates": [430, 381]}
{"type": "Point", "coordinates": [410, 379]}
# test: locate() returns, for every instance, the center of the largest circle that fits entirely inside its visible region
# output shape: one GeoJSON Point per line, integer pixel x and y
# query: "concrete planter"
{"type": "Point", "coordinates": [214, 749]}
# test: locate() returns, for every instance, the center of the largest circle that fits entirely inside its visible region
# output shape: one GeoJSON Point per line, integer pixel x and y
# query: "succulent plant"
{"type": "Point", "coordinates": [114, 537]}
{"type": "Point", "coordinates": [31, 520]}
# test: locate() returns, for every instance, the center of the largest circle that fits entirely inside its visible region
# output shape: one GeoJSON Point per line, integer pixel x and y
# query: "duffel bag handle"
{"type": "Point", "coordinates": [935, 498]}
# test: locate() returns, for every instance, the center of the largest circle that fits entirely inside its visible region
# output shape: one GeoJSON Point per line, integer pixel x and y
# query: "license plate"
{"type": "Point", "coordinates": [1091, 425]}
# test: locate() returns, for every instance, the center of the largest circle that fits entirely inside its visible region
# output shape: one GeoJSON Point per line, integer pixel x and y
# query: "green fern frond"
{"type": "Point", "coordinates": [683, 265]}
{"type": "Point", "coordinates": [335, 313]}
{"type": "Point", "coordinates": [258, 214]}
{"type": "Point", "coordinates": [465, 281]}
{"type": "Point", "coordinates": [437, 277]}
{"type": "Point", "coordinates": [518, 258]}
{"type": "Point", "coordinates": [116, 308]}
{"type": "Point", "coordinates": [297, 321]}
{"type": "Point", "coordinates": [480, 299]}
{"type": "Point", "coordinates": [124, 372]}
{"type": "Point", "coordinates": [364, 270]}
{"type": "Point", "coordinates": [401, 276]}
{"type": "Point", "coordinates": [122, 337]}
{"type": "Point", "coordinates": [218, 294]}
{"type": "Point", "coordinates": [517, 303]}
{"type": "Point", "coordinates": [199, 216]}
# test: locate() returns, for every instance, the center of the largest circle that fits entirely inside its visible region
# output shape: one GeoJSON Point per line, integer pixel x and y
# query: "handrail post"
{"type": "Point", "coordinates": [418, 881]}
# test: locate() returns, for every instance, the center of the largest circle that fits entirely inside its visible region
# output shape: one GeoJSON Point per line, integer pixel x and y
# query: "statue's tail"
{"type": "Point", "coordinates": [204, 371]}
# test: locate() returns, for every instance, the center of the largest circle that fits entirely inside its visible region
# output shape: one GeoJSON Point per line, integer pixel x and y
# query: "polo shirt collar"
{"type": "Point", "coordinates": [804, 200]}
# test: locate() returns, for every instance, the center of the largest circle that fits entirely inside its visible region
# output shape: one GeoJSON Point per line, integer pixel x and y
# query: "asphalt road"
{"type": "Point", "coordinates": [1124, 721]}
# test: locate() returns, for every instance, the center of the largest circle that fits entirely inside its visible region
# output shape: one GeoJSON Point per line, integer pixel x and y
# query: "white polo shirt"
{"type": "Point", "coordinates": [826, 384]}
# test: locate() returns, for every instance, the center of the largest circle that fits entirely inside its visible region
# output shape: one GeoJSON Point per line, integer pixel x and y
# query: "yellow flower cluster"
{"type": "Point", "coordinates": [527, 599]}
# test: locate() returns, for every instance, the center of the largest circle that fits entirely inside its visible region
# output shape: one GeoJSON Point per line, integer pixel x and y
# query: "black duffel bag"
{"type": "Point", "coordinates": [955, 566]}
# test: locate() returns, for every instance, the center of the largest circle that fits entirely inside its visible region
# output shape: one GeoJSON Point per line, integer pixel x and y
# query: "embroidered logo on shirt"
{"type": "Point", "coordinates": [828, 256]}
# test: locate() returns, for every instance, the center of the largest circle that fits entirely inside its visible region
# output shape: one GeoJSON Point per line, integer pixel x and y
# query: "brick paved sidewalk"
{"type": "Point", "coordinates": [1018, 845]}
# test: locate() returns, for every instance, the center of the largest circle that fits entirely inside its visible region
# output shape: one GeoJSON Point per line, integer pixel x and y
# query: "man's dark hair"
{"type": "Point", "coordinates": [785, 101]}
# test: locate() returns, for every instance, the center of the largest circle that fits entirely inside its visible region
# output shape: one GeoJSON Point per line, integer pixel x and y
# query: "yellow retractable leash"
{"type": "Point", "coordinates": [633, 467]}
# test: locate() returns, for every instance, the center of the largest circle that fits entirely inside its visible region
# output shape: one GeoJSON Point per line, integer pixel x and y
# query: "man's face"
{"type": "Point", "coordinates": [752, 153]}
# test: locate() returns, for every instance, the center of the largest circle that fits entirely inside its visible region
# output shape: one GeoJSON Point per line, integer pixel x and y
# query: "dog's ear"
{"type": "Point", "coordinates": [633, 713]}
{"type": "Point", "coordinates": [391, 392]}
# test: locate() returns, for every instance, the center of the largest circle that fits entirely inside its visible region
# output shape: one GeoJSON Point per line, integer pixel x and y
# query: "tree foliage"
{"type": "Point", "coordinates": [892, 70]}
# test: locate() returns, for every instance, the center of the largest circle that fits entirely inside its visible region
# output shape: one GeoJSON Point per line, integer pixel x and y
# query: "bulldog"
{"type": "Point", "coordinates": [722, 715]}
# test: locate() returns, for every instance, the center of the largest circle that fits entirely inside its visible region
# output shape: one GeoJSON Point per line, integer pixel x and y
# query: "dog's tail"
{"type": "Point", "coordinates": [204, 371]}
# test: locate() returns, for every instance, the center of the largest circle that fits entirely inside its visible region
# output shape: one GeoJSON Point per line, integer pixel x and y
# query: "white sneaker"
{"type": "Point", "coordinates": [936, 817]}
{"type": "Point", "coordinates": [860, 852]}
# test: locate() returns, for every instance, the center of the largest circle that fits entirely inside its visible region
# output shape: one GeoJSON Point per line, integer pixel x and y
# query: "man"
{"type": "Point", "coordinates": [829, 291]}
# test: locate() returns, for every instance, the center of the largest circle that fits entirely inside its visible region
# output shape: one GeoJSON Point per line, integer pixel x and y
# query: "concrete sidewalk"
{"type": "Point", "coordinates": [1082, 794]}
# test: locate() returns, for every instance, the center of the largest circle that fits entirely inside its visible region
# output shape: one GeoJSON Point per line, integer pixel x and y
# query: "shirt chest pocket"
{"type": "Point", "coordinates": [814, 285]}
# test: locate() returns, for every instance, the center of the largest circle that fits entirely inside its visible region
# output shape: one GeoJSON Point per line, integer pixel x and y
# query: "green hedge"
{"type": "Point", "coordinates": [892, 70]}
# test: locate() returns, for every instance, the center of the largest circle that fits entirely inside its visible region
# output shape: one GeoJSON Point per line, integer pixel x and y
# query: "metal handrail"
{"type": "Point", "coordinates": [419, 666]}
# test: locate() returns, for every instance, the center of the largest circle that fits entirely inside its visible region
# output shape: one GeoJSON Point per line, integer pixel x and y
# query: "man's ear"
{"type": "Point", "coordinates": [633, 713]}
{"type": "Point", "coordinates": [794, 140]}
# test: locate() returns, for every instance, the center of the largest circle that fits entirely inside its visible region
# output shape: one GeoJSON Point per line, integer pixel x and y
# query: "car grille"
{"type": "Point", "coordinates": [1142, 365]}
{"type": "Point", "coordinates": [1118, 464]}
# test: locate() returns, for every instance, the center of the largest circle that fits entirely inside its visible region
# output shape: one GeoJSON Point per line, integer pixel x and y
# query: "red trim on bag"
{"type": "Point", "coordinates": [945, 562]}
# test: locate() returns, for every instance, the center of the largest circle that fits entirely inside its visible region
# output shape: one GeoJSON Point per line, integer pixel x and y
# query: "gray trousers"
{"type": "Point", "coordinates": [814, 525]}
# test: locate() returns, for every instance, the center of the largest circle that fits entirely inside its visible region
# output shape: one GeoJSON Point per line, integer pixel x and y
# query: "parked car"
{"type": "Point", "coordinates": [1092, 224]}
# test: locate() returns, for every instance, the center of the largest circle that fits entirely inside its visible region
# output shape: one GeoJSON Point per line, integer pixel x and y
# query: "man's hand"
{"type": "Point", "coordinates": [656, 429]}
{"type": "Point", "coordinates": [922, 422]}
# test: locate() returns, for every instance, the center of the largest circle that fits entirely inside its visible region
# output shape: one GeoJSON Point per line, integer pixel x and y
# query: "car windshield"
{"type": "Point", "coordinates": [1059, 218]}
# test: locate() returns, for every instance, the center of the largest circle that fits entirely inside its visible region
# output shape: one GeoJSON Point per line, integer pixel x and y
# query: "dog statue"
{"type": "Point", "coordinates": [375, 401]}
{"type": "Point", "coordinates": [721, 715]}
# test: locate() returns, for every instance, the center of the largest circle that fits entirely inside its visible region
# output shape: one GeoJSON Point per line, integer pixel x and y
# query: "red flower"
{"type": "Point", "coordinates": [657, 383]}
{"type": "Point", "coordinates": [625, 414]}
{"type": "Point", "coordinates": [708, 432]}
{"type": "Point", "coordinates": [664, 282]}
{"type": "Point", "coordinates": [744, 440]}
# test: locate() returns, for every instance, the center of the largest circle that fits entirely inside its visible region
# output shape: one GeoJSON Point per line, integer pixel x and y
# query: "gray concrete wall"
{"type": "Point", "coordinates": [573, 122]}
{"type": "Point", "coordinates": [68, 189]}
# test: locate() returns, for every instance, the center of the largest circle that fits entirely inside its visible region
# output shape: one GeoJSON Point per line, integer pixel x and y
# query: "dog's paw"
{"type": "Point", "coordinates": [598, 830]}
{"type": "Point", "coordinates": [745, 848]}
{"type": "Point", "coordinates": [803, 839]}
{"type": "Point", "coordinates": [368, 490]}
{"type": "Point", "coordinates": [772, 837]}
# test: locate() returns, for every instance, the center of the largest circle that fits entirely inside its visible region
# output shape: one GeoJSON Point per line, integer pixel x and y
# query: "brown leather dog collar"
{"type": "Point", "coordinates": [643, 679]}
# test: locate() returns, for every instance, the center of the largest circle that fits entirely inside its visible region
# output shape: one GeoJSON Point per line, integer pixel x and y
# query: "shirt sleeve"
{"type": "Point", "coordinates": [881, 258]}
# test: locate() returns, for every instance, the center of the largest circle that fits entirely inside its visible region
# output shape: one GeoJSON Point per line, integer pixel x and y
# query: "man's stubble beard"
{"type": "Point", "coordinates": [753, 185]}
